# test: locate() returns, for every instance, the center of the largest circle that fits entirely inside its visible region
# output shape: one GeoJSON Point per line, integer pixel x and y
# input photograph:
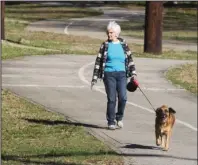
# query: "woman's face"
{"type": "Point", "coordinates": [111, 35]}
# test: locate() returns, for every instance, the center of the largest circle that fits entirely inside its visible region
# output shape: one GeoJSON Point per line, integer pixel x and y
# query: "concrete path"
{"type": "Point", "coordinates": [95, 27]}
{"type": "Point", "coordinates": [62, 83]}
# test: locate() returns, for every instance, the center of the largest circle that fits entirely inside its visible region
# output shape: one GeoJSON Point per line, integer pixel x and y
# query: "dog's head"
{"type": "Point", "coordinates": [164, 112]}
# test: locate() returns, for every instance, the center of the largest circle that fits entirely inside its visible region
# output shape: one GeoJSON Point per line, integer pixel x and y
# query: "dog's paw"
{"type": "Point", "coordinates": [158, 142]}
{"type": "Point", "coordinates": [165, 149]}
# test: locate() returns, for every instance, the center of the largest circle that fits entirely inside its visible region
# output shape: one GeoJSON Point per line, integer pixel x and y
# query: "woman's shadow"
{"type": "Point", "coordinates": [60, 122]}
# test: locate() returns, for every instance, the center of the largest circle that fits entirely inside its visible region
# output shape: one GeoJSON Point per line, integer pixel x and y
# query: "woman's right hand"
{"type": "Point", "coordinates": [134, 80]}
{"type": "Point", "coordinates": [133, 77]}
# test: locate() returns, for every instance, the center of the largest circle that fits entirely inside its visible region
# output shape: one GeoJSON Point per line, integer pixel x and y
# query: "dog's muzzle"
{"type": "Point", "coordinates": [163, 116]}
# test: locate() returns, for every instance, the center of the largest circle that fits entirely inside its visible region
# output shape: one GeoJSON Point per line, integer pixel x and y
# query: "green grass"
{"type": "Point", "coordinates": [185, 76]}
{"type": "Point", "coordinates": [67, 44]}
{"type": "Point", "coordinates": [90, 47]}
{"type": "Point", "coordinates": [167, 54]}
{"type": "Point", "coordinates": [20, 15]}
{"type": "Point", "coordinates": [14, 29]}
{"type": "Point", "coordinates": [32, 135]}
{"type": "Point", "coordinates": [178, 24]}
{"type": "Point", "coordinates": [35, 12]}
{"type": "Point", "coordinates": [10, 51]}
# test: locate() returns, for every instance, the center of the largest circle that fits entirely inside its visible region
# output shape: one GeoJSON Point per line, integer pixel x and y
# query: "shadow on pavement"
{"type": "Point", "coordinates": [160, 155]}
{"type": "Point", "coordinates": [57, 122]}
{"type": "Point", "coordinates": [139, 146]}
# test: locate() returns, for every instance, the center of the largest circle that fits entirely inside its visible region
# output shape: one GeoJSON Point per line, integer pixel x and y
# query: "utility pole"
{"type": "Point", "coordinates": [2, 20]}
{"type": "Point", "coordinates": [153, 27]}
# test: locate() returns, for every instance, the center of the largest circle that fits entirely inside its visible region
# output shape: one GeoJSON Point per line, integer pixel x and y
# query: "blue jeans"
{"type": "Point", "coordinates": [115, 85]}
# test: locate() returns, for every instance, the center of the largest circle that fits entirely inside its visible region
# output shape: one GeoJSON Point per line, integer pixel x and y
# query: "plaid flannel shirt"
{"type": "Point", "coordinates": [98, 72]}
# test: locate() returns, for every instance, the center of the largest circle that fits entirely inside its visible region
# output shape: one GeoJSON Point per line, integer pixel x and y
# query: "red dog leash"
{"type": "Point", "coordinates": [137, 84]}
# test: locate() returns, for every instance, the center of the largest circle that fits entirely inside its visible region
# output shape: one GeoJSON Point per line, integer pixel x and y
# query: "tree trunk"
{"type": "Point", "coordinates": [2, 20]}
{"type": "Point", "coordinates": [153, 27]}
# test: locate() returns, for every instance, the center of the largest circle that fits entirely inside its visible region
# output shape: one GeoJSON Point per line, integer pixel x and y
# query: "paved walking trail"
{"type": "Point", "coordinates": [62, 84]}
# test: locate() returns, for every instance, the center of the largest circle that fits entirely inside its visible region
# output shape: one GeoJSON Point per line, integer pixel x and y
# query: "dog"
{"type": "Point", "coordinates": [164, 122]}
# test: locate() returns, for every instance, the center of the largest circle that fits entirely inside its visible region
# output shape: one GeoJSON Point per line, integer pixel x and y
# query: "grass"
{"type": "Point", "coordinates": [18, 16]}
{"type": "Point", "coordinates": [167, 54]}
{"type": "Point", "coordinates": [34, 12]}
{"type": "Point", "coordinates": [68, 44]}
{"type": "Point", "coordinates": [32, 135]}
{"type": "Point", "coordinates": [11, 51]}
{"type": "Point", "coordinates": [185, 76]}
{"type": "Point", "coordinates": [178, 24]}
{"type": "Point", "coordinates": [14, 29]}
{"type": "Point", "coordinates": [78, 45]}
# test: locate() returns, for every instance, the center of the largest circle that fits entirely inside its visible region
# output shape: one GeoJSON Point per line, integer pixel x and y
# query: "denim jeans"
{"type": "Point", "coordinates": [115, 86]}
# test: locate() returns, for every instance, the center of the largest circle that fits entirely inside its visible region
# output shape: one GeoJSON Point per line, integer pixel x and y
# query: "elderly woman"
{"type": "Point", "coordinates": [114, 64]}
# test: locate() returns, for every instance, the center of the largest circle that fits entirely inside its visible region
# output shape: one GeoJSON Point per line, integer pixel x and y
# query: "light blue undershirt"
{"type": "Point", "coordinates": [115, 57]}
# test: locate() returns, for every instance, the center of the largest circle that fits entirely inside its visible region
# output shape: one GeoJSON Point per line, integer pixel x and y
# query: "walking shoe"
{"type": "Point", "coordinates": [111, 127]}
{"type": "Point", "coordinates": [120, 124]}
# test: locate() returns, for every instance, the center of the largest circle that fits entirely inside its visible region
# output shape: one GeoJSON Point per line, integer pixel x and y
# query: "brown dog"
{"type": "Point", "coordinates": [164, 122]}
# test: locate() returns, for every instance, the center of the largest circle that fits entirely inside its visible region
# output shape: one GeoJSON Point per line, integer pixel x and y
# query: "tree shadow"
{"type": "Point", "coordinates": [28, 161]}
{"type": "Point", "coordinates": [59, 122]}
{"type": "Point", "coordinates": [44, 163]}
{"type": "Point", "coordinates": [14, 42]}
{"type": "Point", "coordinates": [56, 155]}
{"type": "Point", "coordinates": [139, 146]}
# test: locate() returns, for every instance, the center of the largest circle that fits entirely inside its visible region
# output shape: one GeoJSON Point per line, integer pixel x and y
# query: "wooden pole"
{"type": "Point", "coordinates": [2, 20]}
{"type": "Point", "coordinates": [153, 27]}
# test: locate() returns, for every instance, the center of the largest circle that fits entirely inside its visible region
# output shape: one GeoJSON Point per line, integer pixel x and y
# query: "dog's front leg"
{"type": "Point", "coordinates": [166, 147]}
{"type": "Point", "coordinates": [158, 138]}
{"type": "Point", "coordinates": [164, 136]}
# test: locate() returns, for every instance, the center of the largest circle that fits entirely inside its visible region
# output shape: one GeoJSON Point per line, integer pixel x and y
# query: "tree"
{"type": "Point", "coordinates": [2, 20]}
{"type": "Point", "coordinates": [153, 27]}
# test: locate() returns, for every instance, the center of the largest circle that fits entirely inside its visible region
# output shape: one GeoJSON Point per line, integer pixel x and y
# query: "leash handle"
{"type": "Point", "coordinates": [146, 98]}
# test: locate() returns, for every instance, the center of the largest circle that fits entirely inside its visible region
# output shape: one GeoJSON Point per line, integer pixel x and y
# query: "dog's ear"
{"type": "Point", "coordinates": [171, 110]}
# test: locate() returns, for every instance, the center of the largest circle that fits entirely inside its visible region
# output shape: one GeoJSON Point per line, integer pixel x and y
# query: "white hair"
{"type": "Point", "coordinates": [115, 27]}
